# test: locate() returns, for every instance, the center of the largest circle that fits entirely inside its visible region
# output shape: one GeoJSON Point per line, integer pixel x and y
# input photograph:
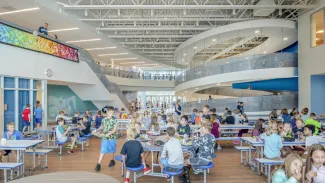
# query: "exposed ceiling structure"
{"type": "Point", "coordinates": [155, 28]}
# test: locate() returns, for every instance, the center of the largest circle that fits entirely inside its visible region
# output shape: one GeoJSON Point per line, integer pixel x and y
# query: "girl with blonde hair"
{"type": "Point", "coordinates": [291, 172]}
{"type": "Point", "coordinates": [315, 164]}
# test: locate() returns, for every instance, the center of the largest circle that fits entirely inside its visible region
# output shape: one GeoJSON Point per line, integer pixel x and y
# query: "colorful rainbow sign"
{"type": "Point", "coordinates": [16, 37]}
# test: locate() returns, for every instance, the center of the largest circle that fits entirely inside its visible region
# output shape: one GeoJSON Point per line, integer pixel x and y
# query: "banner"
{"type": "Point", "coordinates": [16, 37]}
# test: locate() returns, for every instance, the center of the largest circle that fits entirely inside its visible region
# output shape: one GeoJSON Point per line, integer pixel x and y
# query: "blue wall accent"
{"type": "Point", "coordinates": [9, 114]}
{"type": "Point", "coordinates": [61, 97]}
{"type": "Point", "coordinates": [317, 88]}
{"type": "Point", "coordinates": [282, 84]}
{"type": "Point", "coordinates": [292, 48]}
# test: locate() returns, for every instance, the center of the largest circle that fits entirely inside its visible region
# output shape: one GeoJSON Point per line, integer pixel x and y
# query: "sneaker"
{"type": "Point", "coordinates": [70, 151]}
{"type": "Point", "coordinates": [68, 146]}
{"type": "Point", "coordinates": [97, 167]}
{"type": "Point", "coordinates": [219, 147]}
{"type": "Point", "coordinates": [167, 177]}
{"type": "Point", "coordinates": [126, 180]}
{"type": "Point", "coordinates": [236, 142]}
{"type": "Point", "coordinates": [111, 164]}
{"type": "Point", "coordinates": [182, 177]}
{"type": "Point", "coordinates": [146, 170]}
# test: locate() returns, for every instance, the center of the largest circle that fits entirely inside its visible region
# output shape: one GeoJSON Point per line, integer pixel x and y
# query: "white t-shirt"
{"type": "Point", "coordinates": [320, 178]}
{"type": "Point", "coordinates": [175, 153]}
{"type": "Point", "coordinates": [59, 134]}
{"type": "Point", "coordinates": [311, 140]}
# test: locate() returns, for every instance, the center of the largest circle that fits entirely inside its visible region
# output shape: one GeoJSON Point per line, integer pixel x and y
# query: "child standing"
{"type": "Point", "coordinates": [315, 165]}
{"type": "Point", "coordinates": [38, 115]}
{"type": "Point", "coordinates": [132, 153]}
{"type": "Point", "coordinates": [108, 146]}
{"type": "Point", "coordinates": [174, 150]}
{"type": "Point", "coordinates": [272, 142]}
{"type": "Point", "coordinates": [198, 118]}
{"type": "Point", "coordinates": [61, 135]}
{"type": "Point", "coordinates": [291, 172]}
{"type": "Point", "coordinates": [26, 118]}
{"type": "Point", "coordinates": [11, 134]}
{"type": "Point", "coordinates": [160, 120]}
{"type": "Point", "coordinates": [184, 128]}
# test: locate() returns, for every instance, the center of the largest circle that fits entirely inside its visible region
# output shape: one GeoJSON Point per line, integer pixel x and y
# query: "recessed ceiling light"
{"type": "Point", "coordinates": [246, 57]}
{"type": "Point", "coordinates": [227, 62]}
{"type": "Point", "coordinates": [124, 63]}
{"type": "Point", "coordinates": [19, 11]}
{"type": "Point", "coordinates": [83, 40]}
{"type": "Point", "coordinates": [320, 31]}
{"type": "Point", "coordinates": [317, 39]}
{"type": "Point", "coordinates": [125, 58]}
{"type": "Point", "coordinates": [60, 30]}
{"type": "Point", "coordinates": [196, 88]}
{"type": "Point", "coordinates": [185, 54]}
{"type": "Point", "coordinates": [257, 31]}
{"type": "Point", "coordinates": [113, 54]}
{"type": "Point", "coordinates": [195, 47]}
{"type": "Point", "coordinates": [104, 48]}
{"type": "Point", "coordinates": [186, 63]}
{"type": "Point", "coordinates": [214, 40]}
{"type": "Point", "coordinates": [264, 52]}
{"type": "Point", "coordinates": [182, 59]}
{"type": "Point", "coordinates": [285, 38]}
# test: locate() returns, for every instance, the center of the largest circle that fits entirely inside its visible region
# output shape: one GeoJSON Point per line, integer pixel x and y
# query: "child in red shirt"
{"type": "Point", "coordinates": [26, 118]}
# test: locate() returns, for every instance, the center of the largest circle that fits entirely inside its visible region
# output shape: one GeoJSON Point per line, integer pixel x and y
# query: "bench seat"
{"type": "Point", "coordinates": [43, 152]}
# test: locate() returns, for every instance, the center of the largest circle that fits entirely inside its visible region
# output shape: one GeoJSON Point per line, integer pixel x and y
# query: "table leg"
{"type": "Point", "coordinates": [261, 156]}
{"type": "Point", "coordinates": [152, 161]}
{"type": "Point", "coordinates": [269, 174]}
{"type": "Point", "coordinates": [48, 139]}
{"type": "Point", "coordinates": [5, 175]}
{"type": "Point", "coordinates": [250, 154]}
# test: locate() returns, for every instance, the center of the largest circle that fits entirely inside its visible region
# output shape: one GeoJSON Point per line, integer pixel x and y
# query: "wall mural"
{"type": "Point", "coordinates": [15, 37]}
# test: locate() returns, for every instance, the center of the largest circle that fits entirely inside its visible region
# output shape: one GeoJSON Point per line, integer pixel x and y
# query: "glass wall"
{"type": "Point", "coordinates": [17, 93]}
{"type": "Point", "coordinates": [317, 28]}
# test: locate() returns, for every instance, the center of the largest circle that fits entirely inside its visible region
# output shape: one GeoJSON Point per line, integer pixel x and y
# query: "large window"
{"type": "Point", "coordinates": [317, 28]}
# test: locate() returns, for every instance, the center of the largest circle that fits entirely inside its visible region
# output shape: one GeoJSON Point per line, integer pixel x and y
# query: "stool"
{"type": "Point", "coordinates": [135, 170]}
{"type": "Point", "coordinates": [214, 155]}
{"type": "Point", "coordinates": [172, 174]}
{"type": "Point", "coordinates": [119, 158]}
{"type": "Point", "coordinates": [205, 168]}
{"type": "Point", "coordinates": [82, 139]}
{"type": "Point", "coordinates": [60, 145]}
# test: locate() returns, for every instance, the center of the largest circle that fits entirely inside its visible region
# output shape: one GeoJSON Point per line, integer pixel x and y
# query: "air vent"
{"type": "Point", "coordinates": [264, 12]}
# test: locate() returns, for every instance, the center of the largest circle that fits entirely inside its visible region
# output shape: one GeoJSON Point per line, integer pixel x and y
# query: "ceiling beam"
{"type": "Point", "coordinates": [164, 52]}
{"type": "Point", "coordinates": [186, 7]}
{"type": "Point", "coordinates": [138, 43]}
{"type": "Point", "coordinates": [151, 36]}
{"type": "Point", "coordinates": [147, 48]}
{"type": "Point", "coordinates": [154, 28]}
{"type": "Point", "coordinates": [170, 19]}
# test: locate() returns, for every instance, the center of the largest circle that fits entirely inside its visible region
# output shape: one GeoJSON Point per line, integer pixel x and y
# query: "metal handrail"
{"type": "Point", "coordinates": [235, 64]}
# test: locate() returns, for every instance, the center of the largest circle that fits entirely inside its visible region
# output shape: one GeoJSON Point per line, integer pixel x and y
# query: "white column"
{"type": "Point", "coordinates": [2, 105]}
{"type": "Point", "coordinates": [112, 63]}
{"type": "Point", "coordinates": [17, 115]}
{"type": "Point", "coordinates": [44, 101]}
{"type": "Point", "coordinates": [31, 102]}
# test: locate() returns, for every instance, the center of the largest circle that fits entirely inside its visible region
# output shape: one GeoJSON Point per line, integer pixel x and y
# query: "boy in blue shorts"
{"type": "Point", "coordinates": [109, 127]}
{"type": "Point", "coordinates": [38, 115]}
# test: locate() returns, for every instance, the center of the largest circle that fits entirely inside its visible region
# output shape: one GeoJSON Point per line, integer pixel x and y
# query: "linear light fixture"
{"type": "Point", "coordinates": [320, 31]}
{"type": "Point", "coordinates": [104, 48]}
{"type": "Point", "coordinates": [124, 59]}
{"type": "Point", "coordinates": [150, 67]}
{"type": "Point", "coordinates": [112, 54]}
{"type": "Point", "coordinates": [60, 30]}
{"type": "Point", "coordinates": [19, 11]}
{"type": "Point", "coordinates": [124, 63]}
{"type": "Point", "coordinates": [83, 40]}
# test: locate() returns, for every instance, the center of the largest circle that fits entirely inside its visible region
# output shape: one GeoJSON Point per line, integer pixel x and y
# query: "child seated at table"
{"type": "Point", "coordinates": [75, 118]}
{"type": "Point", "coordinates": [173, 149]}
{"type": "Point", "coordinates": [204, 144]}
{"type": "Point", "coordinates": [61, 135]}
{"type": "Point", "coordinates": [132, 154]}
{"type": "Point", "coordinates": [298, 130]}
{"type": "Point", "coordinates": [315, 164]}
{"type": "Point", "coordinates": [183, 128]}
{"type": "Point", "coordinates": [291, 171]}
{"type": "Point", "coordinates": [258, 129]}
{"type": "Point", "coordinates": [85, 124]}
{"type": "Point", "coordinates": [287, 136]}
{"type": "Point", "coordinates": [160, 120]}
{"type": "Point", "coordinates": [198, 118]}
{"type": "Point", "coordinates": [310, 138]}
{"type": "Point", "coordinates": [98, 120]}
{"type": "Point", "coordinates": [244, 120]}
{"type": "Point", "coordinates": [62, 115]}
{"type": "Point", "coordinates": [215, 130]}
{"type": "Point", "coordinates": [11, 134]}
{"type": "Point", "coordinates": [272, 142]}
{"type": "Point", "coordinates": [312, 121]}
{"type": "Point", "coordinates": [171, 122]}
{"type": "Point", "coordinates": [193, 116]}
{"type": "Point", "coordinates": [154, 125]}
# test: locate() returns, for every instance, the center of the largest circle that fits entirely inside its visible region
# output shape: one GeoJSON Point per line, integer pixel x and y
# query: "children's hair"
{"type": "Point", "coordinates": [27, 105]}
{"type": "Point", "coordinates": [311, 150]}
{"type": "Point", "coordinates": [236, 111]}
{"type": "Point", "coordinates": [154, 122]}
{"type": "Point", "coordinates": [297, 116]}
{"type": "Point", "coordinates": [205, 121]}
{"type": "Point", "coordinates": [131, 133]}
{"type": "Point", "coordinates": [61, 112]}
{"type": "Point", "coordinates": [145, 112]}
{"type": "Point", "coordinates": [229, 112]}
{"type": "Point", "coordinates": [302, 121]}
{"type": "Point", "coordinates": [259, 125]}
{"type": "Point", "coordinates": [122, 109]}
{"type": "Point", "coordinates": [76, 112]}
{"type": "Point", "coordinates": [213, 118]}
{"type": "Point", "coordinates": [10, 124]}
{"type": "Point", "coordinates": [284, 111]}
{"type": "Point", "coordinates": [244, 115]}
{"type": "Point", "coordinates": [109, 109]}
{"type": "Point", "coordinates": [85, 117]}
{"type": "Point", "coordinates": [287, 164]}
{"type": "Point", "coordinates": [171, 119]}
{"type": "Point", "coordinates": [60, 120]}
{"type": "Point", "coordinates": [226, 109]}
{"type": "Point", "coordinates": [290, 131]}
{"type": "Point", "coordinates": [269, 130]}
{"type": "Point", "coordinates": [195, 110]}
{"type": "Point", "coordinates": [311, 128]}
{"type": "Point", "coordinates": [171, 131]}
{"type": "Point", "coordinates": [206, 106]}
{"type": "Point", "coordinates": [184, 117]}
{"type": "Point", "coordinates": [213, 110]}
{"type": "Point", "coordinates": [207, 126]}
{"type": "Point", "coordinates": [135, 116]}
{"type": "Point", "coordinates": [305, 111]}
{"type": "Point", "coordinates": [99, 112]}
{"type": "Point", "coordinates": [312, 115]}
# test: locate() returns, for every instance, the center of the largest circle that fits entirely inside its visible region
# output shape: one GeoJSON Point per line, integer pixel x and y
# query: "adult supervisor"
{"type": "Point", "coordinates": [178, 110]}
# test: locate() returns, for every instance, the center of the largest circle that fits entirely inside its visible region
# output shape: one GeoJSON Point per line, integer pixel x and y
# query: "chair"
{"type": "Point", "coordinates": [172, 174]}
{"type": "Point", "coordinates": [135, 170]}
{"type": "Point", "coordinates": [119, 158]}
{"type": "Point", "coordinates": [205, 168]}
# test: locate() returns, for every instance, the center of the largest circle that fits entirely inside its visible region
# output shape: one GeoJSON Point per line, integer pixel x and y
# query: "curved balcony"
{"type": "Point", "coordinates": [237, 64]}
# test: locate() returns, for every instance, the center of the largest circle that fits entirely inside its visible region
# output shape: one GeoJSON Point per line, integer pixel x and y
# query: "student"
{"type": "Point", "coordinates": [154, 125]}
{"type": "Point", "coordinates": [294, 119]}
{"type": "Point", "coordinates": [229, 119]}
{"type": "Point", "coordinates": [285, 116]}
{"type": "Point", "coordinates": [61, 135]}
{"type": "Point", "coordinates": [291, 172]}
{"type": "Point", "coordinates": [173, 148]}
{"type": "Point", "coordinates": [75, 118]}
{"type": "Point", "coordinates": [287, 136]}
{"type": "Point", "coordinates": [123, 114]}
{"type": "Point", "coordinates": [108, 146]}
{"type": "Point", "coordinates": [43, 29]}
{"type": "Point", "coordinates": [215, 130]}
{"type": "Point", "coordinates": [237, 116]}
{"type": "Point", "coordinates": [98, 120]}
{"type": "Point", "coordinates": [293, 112]}
{"type": "Point", "coordinates": [310, 137]}
{"type": "Point", "coordinates": [183, 128]}
{"type": "Point", "coordinates": [198, 118]}
{"type": "Point", "coordinates": [272, 142]}
{"type": "Point", "coordinates": [38, 113]}
{"type": "Point", "coordinates": [193, 116]}
{"type": "Point", "coordinates": [312, 121]}
{"type": "Point", "coordinates": [299, 129]}
{"type": "Point", "coordinates": [258, 129]}
{"type": "Point", "coordinates": [171, 122]}
{"type": "Point", "coordinates": [11, 134]}
{"type": "Point", "coordinates": [205, 146]}
{"type": "Point", "coordinates": [315, 164]}
{"type": "Point", "coordinates": [304, 114]}
{"type": "Point", "coordinates": [132, 153]}
{"type": "Point", "coordinates": [273, 115]}
{"type": "Point", "coordinates": [243, 120]}
{"type": "Point", "coordinates": [85, 124]}
{"type": "Point", "coordinates": [61, 115]}
{"type": "Point", "coordinates": [26, 118]}
{"type": "Point", "coordinates": [90, 116]}
{"type": "Point", "coordinates": [160, 120]}
{"type": "Point", "coordinates": [206, 114]}
{"type": "Point", "coordinates": [225, 113]}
